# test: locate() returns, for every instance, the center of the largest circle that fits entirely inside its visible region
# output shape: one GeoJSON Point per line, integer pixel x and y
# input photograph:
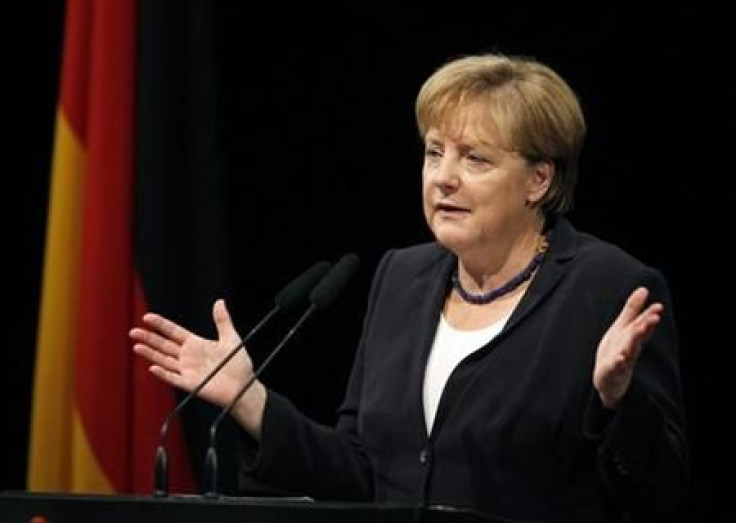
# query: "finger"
{"type": "Point", "coordinates": [632, 307]}
{"type": "Point", "coordinates": [647, 322]}
{"type": "Point", "coordinates": [155, 341]}
{"type": "Point", "coordinates": [224, 324]}
{"type": "Point", "coordinates": [638, 332]}
{"type": "Point", "coordinates": [166, 327]}
{"type": "Point", "coordinates": [157, 358]}
{"type": "Point", "coordinates": [172, 378]}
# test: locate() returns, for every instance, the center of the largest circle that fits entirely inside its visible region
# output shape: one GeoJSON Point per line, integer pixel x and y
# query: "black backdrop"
{"type": "Point", "coordinates": [322, 158]}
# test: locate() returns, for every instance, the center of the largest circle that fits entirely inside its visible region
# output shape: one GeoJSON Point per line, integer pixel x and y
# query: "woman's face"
{"type": "Point", "coordinates": [473, 189]}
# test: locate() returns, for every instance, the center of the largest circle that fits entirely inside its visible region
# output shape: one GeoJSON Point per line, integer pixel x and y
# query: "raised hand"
{"type": "Point", "coordinates": [182, 358]}
{"type": "Point", "coordinates": [620, 347]}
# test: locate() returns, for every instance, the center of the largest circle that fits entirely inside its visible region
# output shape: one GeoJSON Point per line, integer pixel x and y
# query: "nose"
{"type": "Point", "coordinates": [445, 174]}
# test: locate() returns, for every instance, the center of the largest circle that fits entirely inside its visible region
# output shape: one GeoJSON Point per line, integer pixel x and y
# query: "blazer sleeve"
{"type": "Point", "coordinates": [642, 453]}
{"type": "Point", "coordinates": [300, 456]}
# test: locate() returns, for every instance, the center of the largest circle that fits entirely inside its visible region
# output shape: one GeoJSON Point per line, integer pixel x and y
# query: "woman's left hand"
{"type": "Point", "coordinates": [619, 349]}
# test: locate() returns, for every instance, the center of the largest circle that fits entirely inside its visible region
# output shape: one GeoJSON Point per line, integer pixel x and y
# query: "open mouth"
{"type": "Point", "coordinates": [450, 208]}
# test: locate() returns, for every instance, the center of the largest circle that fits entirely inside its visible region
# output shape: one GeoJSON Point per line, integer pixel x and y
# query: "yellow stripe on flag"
{"type": "Point", "coordinates": [94, 420]}
{"type": "Point", "coordinates": [87, 476]}
{"type": "Point", "coordinates": [49, 465]}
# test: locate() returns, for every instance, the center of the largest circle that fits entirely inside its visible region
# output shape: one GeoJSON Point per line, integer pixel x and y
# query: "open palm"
{"type": "Point", "coordinates": [620, 347]}
{"type": "Point", "coordinates": [183, 359]}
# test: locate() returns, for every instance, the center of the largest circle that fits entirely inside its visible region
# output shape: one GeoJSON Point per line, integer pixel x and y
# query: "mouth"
{"type": "Point", "coordinates": [451, 209]}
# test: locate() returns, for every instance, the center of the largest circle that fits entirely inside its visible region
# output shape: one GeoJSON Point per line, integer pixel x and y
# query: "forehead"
{"type": "Point", "coordinates": [469, 123]}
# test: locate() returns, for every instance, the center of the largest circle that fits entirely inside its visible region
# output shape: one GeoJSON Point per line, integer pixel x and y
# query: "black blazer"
{"type": "Point", "coordinates": [519, 431]}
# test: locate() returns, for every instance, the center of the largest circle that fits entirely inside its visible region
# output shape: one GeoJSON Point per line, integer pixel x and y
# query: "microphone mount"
{"type": "Point", "coordinates": [210, 464]}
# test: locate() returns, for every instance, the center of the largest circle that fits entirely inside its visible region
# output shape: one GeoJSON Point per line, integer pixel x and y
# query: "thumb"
{"type": "Point", "coordinates": [223, 323]}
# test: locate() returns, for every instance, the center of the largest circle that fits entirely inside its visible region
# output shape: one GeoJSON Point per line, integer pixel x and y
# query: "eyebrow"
{"type": "Point", "coordinates": [464, 147]}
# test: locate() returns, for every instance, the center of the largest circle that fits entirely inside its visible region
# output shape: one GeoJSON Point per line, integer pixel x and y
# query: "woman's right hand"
{"type": "Point", "coordinates": [183, 359]}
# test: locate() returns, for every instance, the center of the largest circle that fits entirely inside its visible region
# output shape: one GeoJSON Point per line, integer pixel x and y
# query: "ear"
{"type": "Point", "coordinates": [540, 180]}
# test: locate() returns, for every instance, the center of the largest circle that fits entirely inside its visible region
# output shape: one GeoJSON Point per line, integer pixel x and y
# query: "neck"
{"type": "Point", "coordinates": [512, 284]}
{"type": "Point", "coordinates": [497, 264]}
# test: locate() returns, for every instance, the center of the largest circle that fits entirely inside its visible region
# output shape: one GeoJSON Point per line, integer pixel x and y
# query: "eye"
{"type": "Point", "coordinates": [476, 158]}
{"type": "Point", "coordinates": [478, 161]}
{"type": "Point", "coordinates": [432, 152]}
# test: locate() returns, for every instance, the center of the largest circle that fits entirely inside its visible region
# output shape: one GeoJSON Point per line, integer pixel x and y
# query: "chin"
{"type": "Point", "coordinates": [451, 241]}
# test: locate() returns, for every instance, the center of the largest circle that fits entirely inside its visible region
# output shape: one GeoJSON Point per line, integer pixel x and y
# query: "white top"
{"type": "Point", "coordinates": [450, 347]}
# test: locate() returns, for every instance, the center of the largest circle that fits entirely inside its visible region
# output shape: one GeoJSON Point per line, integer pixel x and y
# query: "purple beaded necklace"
{"type": "Point", "coordinates": [488, 297]}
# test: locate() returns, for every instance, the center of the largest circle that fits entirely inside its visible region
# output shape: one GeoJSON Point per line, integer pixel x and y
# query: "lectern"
{"type": "Point", "coordinates": [23, 507]}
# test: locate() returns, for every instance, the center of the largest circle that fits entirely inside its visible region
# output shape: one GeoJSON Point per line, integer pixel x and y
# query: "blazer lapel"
{"type": "Point", "coordinates": [562, 248]}
{"type": "Point", "coordinates": [432, 298]}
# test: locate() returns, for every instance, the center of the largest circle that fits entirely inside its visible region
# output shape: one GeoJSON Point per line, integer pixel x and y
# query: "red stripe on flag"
{"type": "Point", "coordinates": [74, 82]}
{"type": "Point", "coordinates": [105, 295]}
{"type": "Point", "coordinates": [120, 410]}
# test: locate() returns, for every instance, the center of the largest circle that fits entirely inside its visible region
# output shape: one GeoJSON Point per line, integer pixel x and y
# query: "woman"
{"type": "Point", "coordinates": [515, 366]}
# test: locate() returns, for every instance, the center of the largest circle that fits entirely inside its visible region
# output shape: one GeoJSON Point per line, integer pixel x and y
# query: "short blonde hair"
{"type": "Point", "coordinates": [533, 109]}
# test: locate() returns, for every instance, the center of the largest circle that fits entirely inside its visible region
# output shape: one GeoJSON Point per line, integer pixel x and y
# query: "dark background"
{"type": "Point", "coordinates": [322, 158]}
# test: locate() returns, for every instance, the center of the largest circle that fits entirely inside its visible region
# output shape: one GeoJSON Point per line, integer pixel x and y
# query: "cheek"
{"type": "Point", "coordinates": [425, 174]}
{"type": "Point", "coordinates": [426, 202]}
{"type": "Point", "coordinates": [427, 198]}
{"type": "Point", "coordinates": [426, 186]}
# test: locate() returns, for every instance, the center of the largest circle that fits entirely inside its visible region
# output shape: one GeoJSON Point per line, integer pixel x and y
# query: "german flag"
{"type": "Point", "coordinates": [96, 410]}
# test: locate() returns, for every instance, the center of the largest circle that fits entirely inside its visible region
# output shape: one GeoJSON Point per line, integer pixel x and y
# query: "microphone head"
{"type": "Point", "coordinates": [329, 287]}
{"type": "Point", "coordinates": [295, 295]}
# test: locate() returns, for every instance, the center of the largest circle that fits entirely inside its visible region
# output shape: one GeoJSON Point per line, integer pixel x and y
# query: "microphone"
{"type": "Point", "coordinates": [321, 297]}
{"type": "Point", "coordinates": [292, 297]}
